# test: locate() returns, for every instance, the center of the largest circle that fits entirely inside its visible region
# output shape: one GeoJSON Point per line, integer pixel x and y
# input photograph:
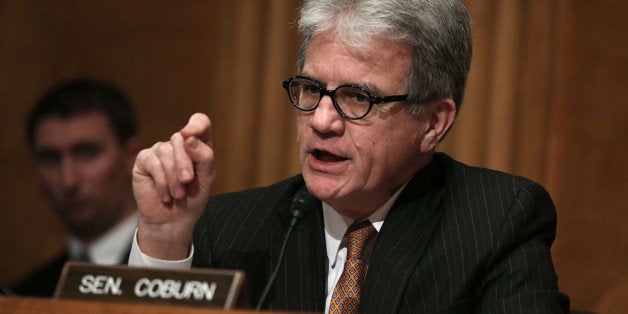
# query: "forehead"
{"type": "Point", "coordinates": [384, 64]}
{"type": "Point", "coordinates": [86, 127]}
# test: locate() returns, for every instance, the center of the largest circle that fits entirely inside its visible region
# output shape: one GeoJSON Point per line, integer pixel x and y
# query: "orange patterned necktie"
{"type": "Point", "coordinates": [346, 295]}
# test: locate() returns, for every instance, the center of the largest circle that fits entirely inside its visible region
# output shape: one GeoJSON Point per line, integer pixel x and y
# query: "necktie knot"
{"type": "Point", "coordinates": [358, 235]}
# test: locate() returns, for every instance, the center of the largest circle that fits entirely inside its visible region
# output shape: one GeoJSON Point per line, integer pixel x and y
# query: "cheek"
{"type": "Point", "coordinates": [302, 131]}
{"type": "Point", "coordinates": [49, 175]}
{"type": "Point", "coordinates": [368, 148]}
{"type": "Point", "coordinates": [105, 172]}
{"type": "Point", "coordinates": [50, 186]}
{"type": "Point", "coordinates": [396, 149]}
{"type": "Point", "coordinates": [50, 180]}
{"type": "Point", "coordinates": [303, 122]}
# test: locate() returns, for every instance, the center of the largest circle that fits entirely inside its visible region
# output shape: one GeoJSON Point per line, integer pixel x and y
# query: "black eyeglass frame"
{"type": "Point", "coordinates": [332, 94]}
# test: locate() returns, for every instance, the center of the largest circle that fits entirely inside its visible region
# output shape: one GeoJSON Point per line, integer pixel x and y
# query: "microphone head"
{"type": "Point", "coordinates": [302, 204]}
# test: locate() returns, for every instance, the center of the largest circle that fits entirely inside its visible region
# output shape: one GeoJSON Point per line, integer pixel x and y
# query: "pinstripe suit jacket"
{"type": "Point", "coordinates": [459, 239]}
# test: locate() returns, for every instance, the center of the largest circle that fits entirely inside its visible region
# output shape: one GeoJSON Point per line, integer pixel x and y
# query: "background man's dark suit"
{"type": "Point", "coordinates": [43, 281]}
{"type": "Point", "coordinates": [457, 238]}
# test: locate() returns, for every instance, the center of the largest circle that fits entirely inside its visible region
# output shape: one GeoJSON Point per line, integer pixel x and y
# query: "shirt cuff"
{"type": "Point", "coordinates": [138, 259]}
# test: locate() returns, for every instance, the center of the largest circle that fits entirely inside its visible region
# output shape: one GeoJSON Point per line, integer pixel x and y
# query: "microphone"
{"type": "Point", "coordinates": [302, 203]}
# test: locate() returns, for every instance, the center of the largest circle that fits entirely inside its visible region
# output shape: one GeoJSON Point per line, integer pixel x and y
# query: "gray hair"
{"type": "Point", "coordinates": [438, 31]}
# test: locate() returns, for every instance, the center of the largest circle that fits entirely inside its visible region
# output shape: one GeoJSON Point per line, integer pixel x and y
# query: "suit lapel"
{"type": "Point", "coordinates": [301, 281]}
{"type": "Point", "coordinates": [402, 240]}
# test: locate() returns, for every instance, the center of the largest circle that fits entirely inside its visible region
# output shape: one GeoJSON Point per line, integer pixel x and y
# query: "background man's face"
{"type": "Point", "coordinates": [84, 171]}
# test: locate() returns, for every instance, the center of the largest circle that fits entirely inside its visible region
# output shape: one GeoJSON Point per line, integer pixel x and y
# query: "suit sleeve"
{"type": "Point", "coordinates": [520, 275]}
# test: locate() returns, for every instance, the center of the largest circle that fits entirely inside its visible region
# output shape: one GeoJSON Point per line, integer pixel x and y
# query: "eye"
{"type": "Point", "coordinates": [354, 95]}
{"type": "Point", "coordinates": [48, 157]}
{"type": "Point", "coordinates": [310, 88]}
{"type": "Point", "coordinates": [361, 97]}
{"type": "Point", "coordinates": [87, 151]}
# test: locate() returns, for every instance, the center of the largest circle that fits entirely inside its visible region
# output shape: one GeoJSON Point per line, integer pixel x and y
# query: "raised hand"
{"type": "Point", "coordinates": [172, 182]}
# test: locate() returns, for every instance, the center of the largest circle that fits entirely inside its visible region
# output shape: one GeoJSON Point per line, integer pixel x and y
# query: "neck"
{"type": "Point", "coordinates": [92, 233]}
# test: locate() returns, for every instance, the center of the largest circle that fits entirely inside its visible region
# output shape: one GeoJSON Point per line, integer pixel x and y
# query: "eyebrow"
{"type": "Point", "coordinates": [368, 86]}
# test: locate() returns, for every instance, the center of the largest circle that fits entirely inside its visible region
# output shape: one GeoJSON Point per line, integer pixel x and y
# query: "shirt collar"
{"type": "Point", "coordinates": [109, 248]}
{"type": "Point", "coordinates": [336, 225]}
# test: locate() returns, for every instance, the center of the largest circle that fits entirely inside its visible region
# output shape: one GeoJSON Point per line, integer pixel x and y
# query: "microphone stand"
{"type": "Point", "coordinates": [301, 205]}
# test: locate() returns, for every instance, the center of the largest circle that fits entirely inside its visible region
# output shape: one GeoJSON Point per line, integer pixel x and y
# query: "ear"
{"type": "Point", "coordinates": [440, 115]}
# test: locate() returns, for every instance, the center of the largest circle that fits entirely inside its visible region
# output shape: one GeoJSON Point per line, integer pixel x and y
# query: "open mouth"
{"type": "Point", "coordinates": [325, 156]}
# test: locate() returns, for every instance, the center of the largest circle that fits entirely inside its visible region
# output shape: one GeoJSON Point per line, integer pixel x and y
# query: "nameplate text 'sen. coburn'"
{"type": "Point", "coordinates": [197, 287]}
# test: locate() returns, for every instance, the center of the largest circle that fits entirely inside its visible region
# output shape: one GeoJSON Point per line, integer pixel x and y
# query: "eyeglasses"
{"type": "Point", "coordinates": [351, 101]}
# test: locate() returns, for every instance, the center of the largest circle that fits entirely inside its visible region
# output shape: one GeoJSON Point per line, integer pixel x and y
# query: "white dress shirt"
{"type": "Point", "coordinates": [109, 249]}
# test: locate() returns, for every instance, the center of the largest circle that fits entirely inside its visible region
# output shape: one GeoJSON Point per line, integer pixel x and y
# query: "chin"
{"type": "Point", "coordinates": [324, 188]}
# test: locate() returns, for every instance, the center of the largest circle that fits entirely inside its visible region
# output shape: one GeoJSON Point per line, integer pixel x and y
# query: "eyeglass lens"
{"type": "Point", "coordinates": [351, 101]}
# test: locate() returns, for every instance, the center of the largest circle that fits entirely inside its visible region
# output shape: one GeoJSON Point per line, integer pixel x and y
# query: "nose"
{"type": "Point", "coordinates": [69, 174]}
{"type": "Point", "coordinates": [325, 118]}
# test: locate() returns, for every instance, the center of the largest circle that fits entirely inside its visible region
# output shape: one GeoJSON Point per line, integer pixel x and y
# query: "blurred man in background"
{"type": "Point", "coordinates": [83, 136]}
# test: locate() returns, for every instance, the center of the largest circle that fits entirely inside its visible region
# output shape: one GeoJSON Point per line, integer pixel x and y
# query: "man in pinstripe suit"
{"type": "Point", "coordinates": [379, 86]}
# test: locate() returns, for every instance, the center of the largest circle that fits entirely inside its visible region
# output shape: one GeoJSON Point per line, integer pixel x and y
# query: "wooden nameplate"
{"type": "Point", "coordinates": [217, 288]}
